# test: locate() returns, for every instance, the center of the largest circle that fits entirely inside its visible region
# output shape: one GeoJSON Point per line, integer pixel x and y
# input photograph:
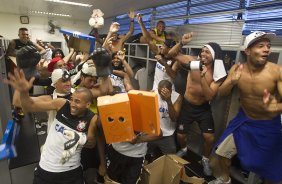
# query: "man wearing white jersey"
{"type": "Point", "coordinates": [73, 126]}
{"type": "Point", "coordinates": [169, 108]}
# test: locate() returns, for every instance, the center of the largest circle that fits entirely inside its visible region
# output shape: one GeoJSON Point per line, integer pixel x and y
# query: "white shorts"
{"type": "Point", "coordinates": [227, 147]}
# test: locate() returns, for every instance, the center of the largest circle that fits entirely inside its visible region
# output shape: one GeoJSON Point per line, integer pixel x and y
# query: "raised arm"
{"type": "Point", "coordinates": [40, 49]}
{"type": "Point", "coordinates": [17, 101]}
{"type": "Point", "coordinates": [128, 69]}
{"type": "Point", "coordinates": [186, 38]}
{"type": "Point", "coordinates": [113, 29]}
{"type": "Point", "coordinates": [127, 83]}
{"type": "Point", "coordinates": [50, 46]}
{"type": "Point", "coordinates": [146, 34]}
{"type": "Point", "coordinates": [131, 28]}
{"type": "Point", "coordinates": [184, 59]}
{"type": "Point", "coordinates": [170, 72]}
{"type": "Point", "coordinates": [69, 56]}
{"type": "Point", "coordinates": [155, 37]}
{"type": "Point", "coordinates": [231, 80]}
{"type": "Point", "coordinates": [18, 82]}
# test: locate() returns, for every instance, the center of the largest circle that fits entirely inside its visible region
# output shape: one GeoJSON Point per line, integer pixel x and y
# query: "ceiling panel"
{"type": "Point", "coordinates": [110, 8]}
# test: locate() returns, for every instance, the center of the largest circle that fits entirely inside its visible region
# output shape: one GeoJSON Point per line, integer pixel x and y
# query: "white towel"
{"type": "Point", "coordinates": [219, 70]}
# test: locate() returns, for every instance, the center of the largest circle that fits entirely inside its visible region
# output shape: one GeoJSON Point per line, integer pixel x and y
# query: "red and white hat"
{"type": "Point", "coordinates": [257, 35]}
{"type": "Point", "coordinates": [52, 63]}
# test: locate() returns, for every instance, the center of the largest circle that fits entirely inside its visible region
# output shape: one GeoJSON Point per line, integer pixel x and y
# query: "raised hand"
{"type": "Point", "coordinates": [236, 74]}
{"type": "Point", "coordinates": [139, 18]}
{"type": "Point", "coordinates": [203, 71]}
{"type": "Point", "coordinates": [18, 81]}
{"type": "Point", "coordinates": [108, 44]}
{"type": "Point", "coordinates": [131, 14]}
{"type": "Point", "coordinates": [186, 38]}
{"type": "Point", "coordinates": [269, 101]}
{"type": "Point", "coordinates": [121, 55]}
{"type": "Point", "coordinates": [114, 27]}
{"type": "Point", "coordinates": [166, 94]}
{"type": "Point", "coordinates": [160, 59]}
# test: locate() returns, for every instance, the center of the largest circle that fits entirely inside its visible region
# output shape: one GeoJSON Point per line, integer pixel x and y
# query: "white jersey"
{"type": "Point", "coordinates": [167, 125]}
{"type": "Point", "coordinates": [141, 76]}
{"type": "Point", "coordinates": [117, 81]}
{"type": "Point", "coordinates": [131, 150]}
{"type": "Point", "coordinates": [52, 114]}
{"type": "Point", "coordinates": [48, 55]}
{"type": "Point", "coordinates": [160, 74]}
{"type": "Point", "coordinates": [54, 146]}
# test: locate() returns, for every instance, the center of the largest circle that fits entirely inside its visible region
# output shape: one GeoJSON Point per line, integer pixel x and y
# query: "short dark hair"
{"type": "Point", "coordinates": [161, 21]}
{"type": "Point", "coordinates": [114, 54]}
{"type": "Point", "coordinates": [23, 29]}
{"type": "Point", "coordinates": [165, 84]}
{"type": "Point", "coordinates": [88, 95]}
{"type": "Point", "coordinates": [85, 74]}
{"type": "Point", "coordinates": [57, 50]}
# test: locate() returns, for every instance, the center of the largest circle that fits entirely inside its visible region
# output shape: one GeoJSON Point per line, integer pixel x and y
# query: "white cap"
{"type": "Point", "coordinates": [257, 35]}
{"type": "Point", "coordinates": [57, 74]}
{"type": "Point", "coordinates": [89, 69]}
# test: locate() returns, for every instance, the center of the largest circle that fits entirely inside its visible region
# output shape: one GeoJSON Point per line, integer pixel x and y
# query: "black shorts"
{"type": "Point", "coordinates": [74, 176]}
{"type": "Point", "coordinates": [166, 144]}
{"type": "Point", "coordinates": [90, 158]}
{"type": "Point", "coordinates": [200, 113]}
{"type": "Point", "coordinates": [123, 169]}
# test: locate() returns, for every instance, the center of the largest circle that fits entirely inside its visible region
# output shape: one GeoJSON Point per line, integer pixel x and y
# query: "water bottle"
{"type": "Point", "coordinates": [193, 65]}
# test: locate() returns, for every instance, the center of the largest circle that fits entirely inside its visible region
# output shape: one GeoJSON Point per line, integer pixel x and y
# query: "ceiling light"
{"type": "Point", "coordinates": [71, 3]}
{"type": "Point", "coordinates": [48, 13]}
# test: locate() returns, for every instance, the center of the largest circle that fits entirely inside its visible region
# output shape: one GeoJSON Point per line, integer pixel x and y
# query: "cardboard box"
{"type": "Point", "coordinates": [115, 115]}
{"type": "Point", "coordinates": [80, 41]}
{"type": "Point", "coordinates": [145, 111]}
{"type": "Point", "coordinates": [168, 169]}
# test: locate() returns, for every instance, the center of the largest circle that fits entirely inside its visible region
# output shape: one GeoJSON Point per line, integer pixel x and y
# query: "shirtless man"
{"type": "Point", "coordinates": [255, 133]}
{"type": "Point", "coordinates": [117, 41]}
{"type": "Point", "coordinates": [201, 87]}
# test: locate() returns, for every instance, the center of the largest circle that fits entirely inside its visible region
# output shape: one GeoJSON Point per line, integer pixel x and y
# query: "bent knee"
{"type": "Point", "coordinates": [208, 137]}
